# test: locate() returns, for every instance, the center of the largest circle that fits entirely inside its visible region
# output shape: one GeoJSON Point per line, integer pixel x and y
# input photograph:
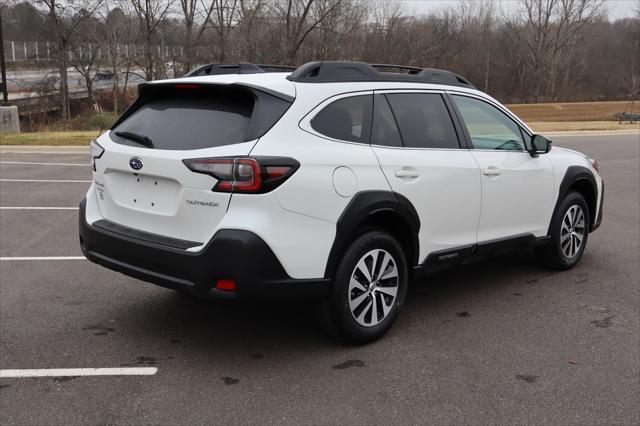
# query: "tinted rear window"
{"type": "Point", "coordinates": [202, 117]}
{"type": "Point", "coordinates": [424, 120]}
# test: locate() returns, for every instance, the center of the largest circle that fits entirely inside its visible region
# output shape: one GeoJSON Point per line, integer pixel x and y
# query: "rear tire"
{"type": "Point", "coordinates": [369, 289]}
{"type": "Point", "coordinates": [569, 234]}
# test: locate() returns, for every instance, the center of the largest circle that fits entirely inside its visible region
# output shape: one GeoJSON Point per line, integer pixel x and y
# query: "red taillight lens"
{"type": "Point", "coordinates": [245, 174]}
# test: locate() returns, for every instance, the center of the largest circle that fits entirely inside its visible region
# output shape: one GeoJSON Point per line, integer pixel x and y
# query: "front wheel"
{"type": "Point", "coordinates": [569, 234]}
{"type": "Point", "coordinates": [369, 288]}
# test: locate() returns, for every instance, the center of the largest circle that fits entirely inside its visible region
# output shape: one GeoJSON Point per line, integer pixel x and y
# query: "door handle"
{"type": "Point", "coordinates": [492, 171]}
{"type": "Point", "coordinates": [404, 173]}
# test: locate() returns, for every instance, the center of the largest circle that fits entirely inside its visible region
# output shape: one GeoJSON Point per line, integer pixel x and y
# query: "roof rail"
{"type": "Point", "coordinates": [240, 68]}
{"type": "Point", "coordinates": [344, 71]}
{"type": "Point", "coordinates": [409, 69]}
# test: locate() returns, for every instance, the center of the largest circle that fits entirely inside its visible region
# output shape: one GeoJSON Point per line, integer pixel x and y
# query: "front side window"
{"type": "Point", "coordinates": [424, 120]}
{"type": "Point", "coordinates": [489, 127]}
{"type": "Point", "coordinates": [347, 119]}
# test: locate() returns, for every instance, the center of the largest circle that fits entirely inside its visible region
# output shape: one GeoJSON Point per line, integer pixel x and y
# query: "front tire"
{"type": "Point", "coordinates": [569, 234]}
{"type": "Point", "coordinates": [369, 289]}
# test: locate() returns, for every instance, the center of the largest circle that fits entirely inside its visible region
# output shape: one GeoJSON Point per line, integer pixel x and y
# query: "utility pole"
{"type": "Point", "coordinates": [9, 119]}
{"type": "Point", "coordinates": [5, 94]}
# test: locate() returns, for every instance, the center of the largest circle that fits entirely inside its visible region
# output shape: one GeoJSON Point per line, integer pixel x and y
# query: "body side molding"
{"type": "Point", "coordinates": [483, 249]}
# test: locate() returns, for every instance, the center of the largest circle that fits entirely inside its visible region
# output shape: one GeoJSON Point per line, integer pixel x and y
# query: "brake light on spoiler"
{"type": "Point", "coordinates": [253, 175]}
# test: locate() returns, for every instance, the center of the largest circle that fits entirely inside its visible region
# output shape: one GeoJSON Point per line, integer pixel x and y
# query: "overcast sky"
{"type": "Point", "coordinates": [617, 8]}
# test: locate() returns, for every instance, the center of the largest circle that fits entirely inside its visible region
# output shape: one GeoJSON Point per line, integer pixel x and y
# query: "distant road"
{"type": "Point", "coordinates": [21, 82]}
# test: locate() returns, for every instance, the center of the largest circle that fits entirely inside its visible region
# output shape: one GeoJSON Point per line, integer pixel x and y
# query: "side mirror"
{"type": "Point", "coordinates": [539, 145]}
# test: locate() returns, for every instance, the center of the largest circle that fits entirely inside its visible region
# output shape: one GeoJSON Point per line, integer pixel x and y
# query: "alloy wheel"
{"type": "Point", "coordinates": [572, 231]}
{"type": "Point", "coordinates": [373, 287]}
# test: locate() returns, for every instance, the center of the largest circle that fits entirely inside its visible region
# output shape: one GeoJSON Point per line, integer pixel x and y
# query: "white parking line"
{"type": "Point", "coordinates": [45, 164]}
{"type": "Point", "coordinates": [44, 149]}
{"type": "Point", "coordinates": [45, 180]}
{"type": "Point", "coordinates": [44, 258]}
{"type": "Point", "coordinates": [38, 208]}
{"type": "Point", "coordinates": [75, 372]}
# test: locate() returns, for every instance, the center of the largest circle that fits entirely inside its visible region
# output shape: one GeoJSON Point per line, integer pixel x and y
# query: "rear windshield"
{"type": "Point", "coordinates": [185, 117]}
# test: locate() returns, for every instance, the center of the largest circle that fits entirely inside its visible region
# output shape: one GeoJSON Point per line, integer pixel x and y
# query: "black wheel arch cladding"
{"type": "Point", "coordinates": [376, 208]}
{"type": "Point", "coordinates": [582, 180]}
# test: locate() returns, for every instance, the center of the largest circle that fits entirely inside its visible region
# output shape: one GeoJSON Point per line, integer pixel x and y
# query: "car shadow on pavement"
{"type": "Point", "coordinates": [272, 328]}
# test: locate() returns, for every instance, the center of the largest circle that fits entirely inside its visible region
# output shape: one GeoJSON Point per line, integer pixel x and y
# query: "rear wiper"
{"type": "Point", "coordinates": [141, 139]}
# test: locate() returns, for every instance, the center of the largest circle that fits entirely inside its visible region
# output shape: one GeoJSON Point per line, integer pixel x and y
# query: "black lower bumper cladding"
{"type": "Point", "coordinates": [232, 254]}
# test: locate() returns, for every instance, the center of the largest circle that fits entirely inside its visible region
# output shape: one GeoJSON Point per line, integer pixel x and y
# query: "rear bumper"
{"type": "Point", "coordinates": [231, 254]}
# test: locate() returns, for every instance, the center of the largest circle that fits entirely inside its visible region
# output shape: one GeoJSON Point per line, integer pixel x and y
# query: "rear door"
{"type": "Point", "coordinates": [517, 189]}
{"type": "Point", "coordinates": [146, 185]}
{"type": "Point", "coordinates": [417, 145]}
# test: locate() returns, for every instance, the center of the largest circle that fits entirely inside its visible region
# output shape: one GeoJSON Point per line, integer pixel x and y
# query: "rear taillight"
{"type": "Point", "coordinates": [96, 152]}
{"type": "Point", "coordinates": [594, 164]}
{"type": "Point", "coordinates": [254, 175]}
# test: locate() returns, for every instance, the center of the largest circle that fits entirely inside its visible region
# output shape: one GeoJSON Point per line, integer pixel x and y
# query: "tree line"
{"type": "Point", "coordinates": [540, 50]}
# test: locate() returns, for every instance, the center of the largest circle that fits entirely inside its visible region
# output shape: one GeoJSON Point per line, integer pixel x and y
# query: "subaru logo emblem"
{"type": "Point", "coordinates": [135, 163]}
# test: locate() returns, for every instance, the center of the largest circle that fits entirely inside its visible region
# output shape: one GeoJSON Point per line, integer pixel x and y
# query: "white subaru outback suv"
{"type": "Point", "coordinates": [336, 181]}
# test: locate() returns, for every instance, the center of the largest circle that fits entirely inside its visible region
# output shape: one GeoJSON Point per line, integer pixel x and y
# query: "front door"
{"type": "Point", "coordinates": [517, 189]}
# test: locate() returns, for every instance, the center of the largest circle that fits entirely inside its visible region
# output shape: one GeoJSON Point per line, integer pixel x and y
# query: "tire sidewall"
{"type": "Point", "coordinates": [341, 312]}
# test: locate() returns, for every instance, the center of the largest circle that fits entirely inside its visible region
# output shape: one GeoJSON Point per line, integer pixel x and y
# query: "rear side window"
{"type": "Point", "coordinates": [384, 131]}
{"type": "Point", "coordinates": [424, 120]}
{"type": "Point", "coordinates": [347, 119]}
{"type": "Point", "coordinates": [197, 117]}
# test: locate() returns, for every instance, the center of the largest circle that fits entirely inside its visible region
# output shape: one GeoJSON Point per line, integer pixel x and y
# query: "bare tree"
{"type": "Point", "coordinates": [117, 31]}
{"type": "Point", "coordinates": [86, 63]}
{"type": "Point", "coordinates": [340, 35]}
{"type": "Point", "coordinates": [65, 17]}
{"type": "Point", "coordinates": [250, 20]}
{"type": "Point", "coordinates": [193, 27]}
{"type": "Point", "coordinates": [299, 21]}
{"type": "Point", "coordinates": [487, 24]}
{"type": "Point", "coordinates": [547, 28]}
{"type": "Point", "coordinates": [388, 18]}
{"type": "Point", "coordinates": [151, 13]}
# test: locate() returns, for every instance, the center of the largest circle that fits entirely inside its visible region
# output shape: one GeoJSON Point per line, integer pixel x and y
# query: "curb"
{"type": "Point", "coordinates": [592, 132]}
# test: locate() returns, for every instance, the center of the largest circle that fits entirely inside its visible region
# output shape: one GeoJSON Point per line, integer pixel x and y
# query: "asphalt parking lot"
{"type": "Point", "coordinates": [499, 341]}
